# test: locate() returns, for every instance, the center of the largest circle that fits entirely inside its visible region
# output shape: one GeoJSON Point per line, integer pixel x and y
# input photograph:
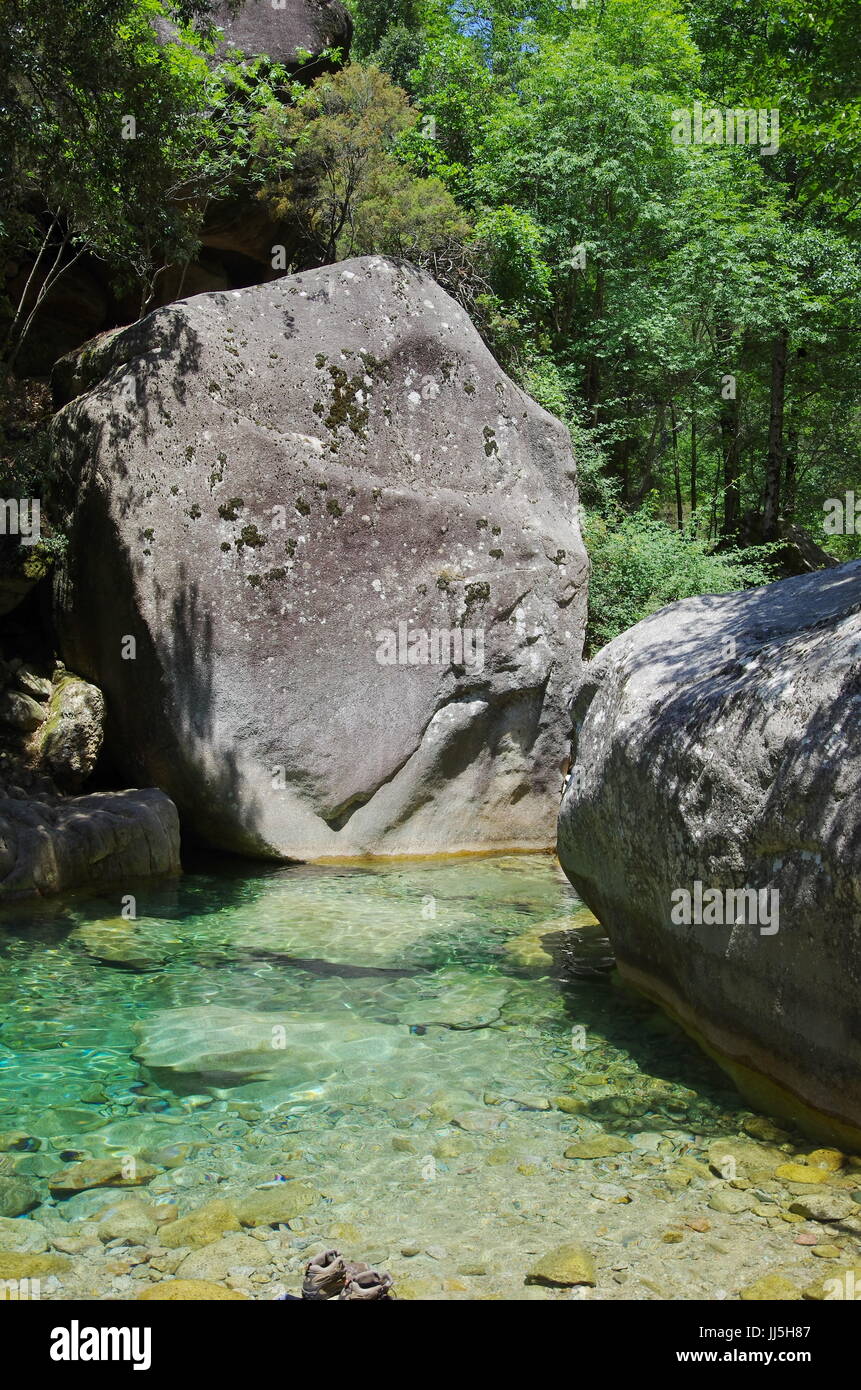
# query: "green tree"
{"type": "Point", "coordinates": [330, 163]}
{"type": "Point", "coordinates": [110, 140]}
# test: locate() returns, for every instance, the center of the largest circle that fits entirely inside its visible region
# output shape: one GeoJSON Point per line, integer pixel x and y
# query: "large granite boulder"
{"type": "Point", "coordinates": [324, 563]}
{"type": "Point", "coordinates": [719, 743]}
{"type": "Point", "coordinates": [50, 844]}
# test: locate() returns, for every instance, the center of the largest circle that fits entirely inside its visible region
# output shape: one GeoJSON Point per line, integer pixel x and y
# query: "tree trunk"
{"type": "Point", "coordinates": [693, 463]}
{"type": "Point", "coordinates": [677, 477]}
{"type": "Point", "coordinates": [731, 467]}
{"type": "Point", "coordinates": [776, 450]}
{"type": "Point", "coordinates": [729, 423]}
{"type": "Point", "coordinates": [593, 369]}
{"type": "Point", "coordinates": [791, 470]}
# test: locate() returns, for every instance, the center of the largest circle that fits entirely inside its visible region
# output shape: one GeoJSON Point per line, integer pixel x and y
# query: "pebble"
{"type": "Point", "coordinates": [565, 1265]}
{"type": "Point", "coordinates": [604, 1146]}
{"type": "Point", "coordinates": [825, 1206]}
{"type": "Point", "coordinates": [731, 1202]}
{"type": "Point", "coordinates": [478, 1121]}
{"type": "Point", "coordinates": [801, 1172]}
{"type": "Point", "coordinates": [188, 1291]}
{"type": "Point", "coordinates": [770, 1287]}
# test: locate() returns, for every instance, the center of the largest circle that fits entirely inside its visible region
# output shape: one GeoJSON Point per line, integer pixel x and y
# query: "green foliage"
{"type": "Point", "coordinates": [640, 564]}
{"type": "Point", "coordinates": [692, 312]}
{"type": "Point", "coordinates": [114, 134]}
{"type": "Point", "coordinates": [330, 163]}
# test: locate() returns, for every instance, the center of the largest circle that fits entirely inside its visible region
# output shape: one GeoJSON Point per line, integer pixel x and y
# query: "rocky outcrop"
{"type": "Point", "coordinates": [292, 32]}
{"type": "Point", "coordinates": [325, 564]}
{"type": "Point", "coordinates": [717, 747]}
{"type": "Point", "coordinates": [50, 844]}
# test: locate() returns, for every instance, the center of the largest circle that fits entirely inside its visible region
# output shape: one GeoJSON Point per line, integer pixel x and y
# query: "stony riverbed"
{"type": "Point", "coordinates": [428, 1066]}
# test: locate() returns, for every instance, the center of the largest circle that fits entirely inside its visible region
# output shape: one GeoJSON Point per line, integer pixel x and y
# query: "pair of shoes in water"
{"type": "Point", "coordinates": [330, 1276]}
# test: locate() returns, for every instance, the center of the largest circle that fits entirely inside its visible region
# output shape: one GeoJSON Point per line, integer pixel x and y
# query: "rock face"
{"type": "Point", "coordinates": [718, 743]}
{"type": "Point", "coordinates": [51, 844]}
{"type": "Point", "coordinates": [340, 581]}
{"type": "Point", "coordinates": [286, 31]}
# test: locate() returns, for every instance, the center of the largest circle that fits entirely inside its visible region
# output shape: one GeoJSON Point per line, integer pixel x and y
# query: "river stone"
{"type": "Point", "coordinates": [838, 1285]}
{"type": "Point", "coordinates": [731, 1202]}
{"type": "Point", "coordinates": [100, 1172]}
{"type": "Point", "coordinates": [527, 951]}
{"type": "Point", "coordinates": [257, 479]}
{"type": "Point", "coordinates": [478, 1121]}
{"type": "Point", "coordinates": [17, 1195]}
{"type": "Point", "coordinates": [566, 1264]}
{"type": "Point", "coordinates": [22, 1237]}
{"type": "Point", "coordinates": [769, 1287]}
{"type": "Point", "coordinates": [719, 742]}
{"type": "Point", "coordinates": [460, 999]}
{"type": "Point", "coordinates": [216, 1260]}
{"type": "Point", "coordinates": [130, 1220]}
{"type": "Point", "coordinates": [743, 1158]}
{"type": "Point", "coordinates": [119, 941]}
{"type": "Point", "coordinates": [54, 845]}
{"type": "Point", "coordinates": [759, 1127]}
{"type": "Point", "coordinates": [17, 1265]}
{"type": "Point", "coordinates": [222, 1043]}
{"type": "Point", "coordinates": [602, 1146]}
{"type": "Point", "coordinates": [21, 712]}
{"type": "Point", "coordinates": [202, 1226]}
{"type": "Point", "coordinates": [823, 1206]}
{"type": "Point", "coordinates": [18, 1141]}
{"type": "Point", "coordinates": [832, 1159]}
{"type": "Point", "coordinates": [801, 1172]}
{"type": "Point", "coordinates": [190, 1291]}
{"type": "Point", "coordinates": [276, 1206]}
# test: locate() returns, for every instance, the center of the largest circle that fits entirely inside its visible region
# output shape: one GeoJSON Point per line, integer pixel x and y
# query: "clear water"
{"type": "Point", "coordinates": [434, 1013]}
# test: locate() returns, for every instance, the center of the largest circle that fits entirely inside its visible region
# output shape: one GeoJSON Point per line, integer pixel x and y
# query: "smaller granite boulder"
{"type": "Point", "coordinates": [21, 712]}
{"type": "Point", "coordinates": [71, 731]}
{"type": "Point", "coordinates": [54, 844]}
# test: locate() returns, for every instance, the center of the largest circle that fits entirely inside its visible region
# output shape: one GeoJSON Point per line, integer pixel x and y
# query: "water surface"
{"type": "Point", "coordinates": [433, 1015]}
